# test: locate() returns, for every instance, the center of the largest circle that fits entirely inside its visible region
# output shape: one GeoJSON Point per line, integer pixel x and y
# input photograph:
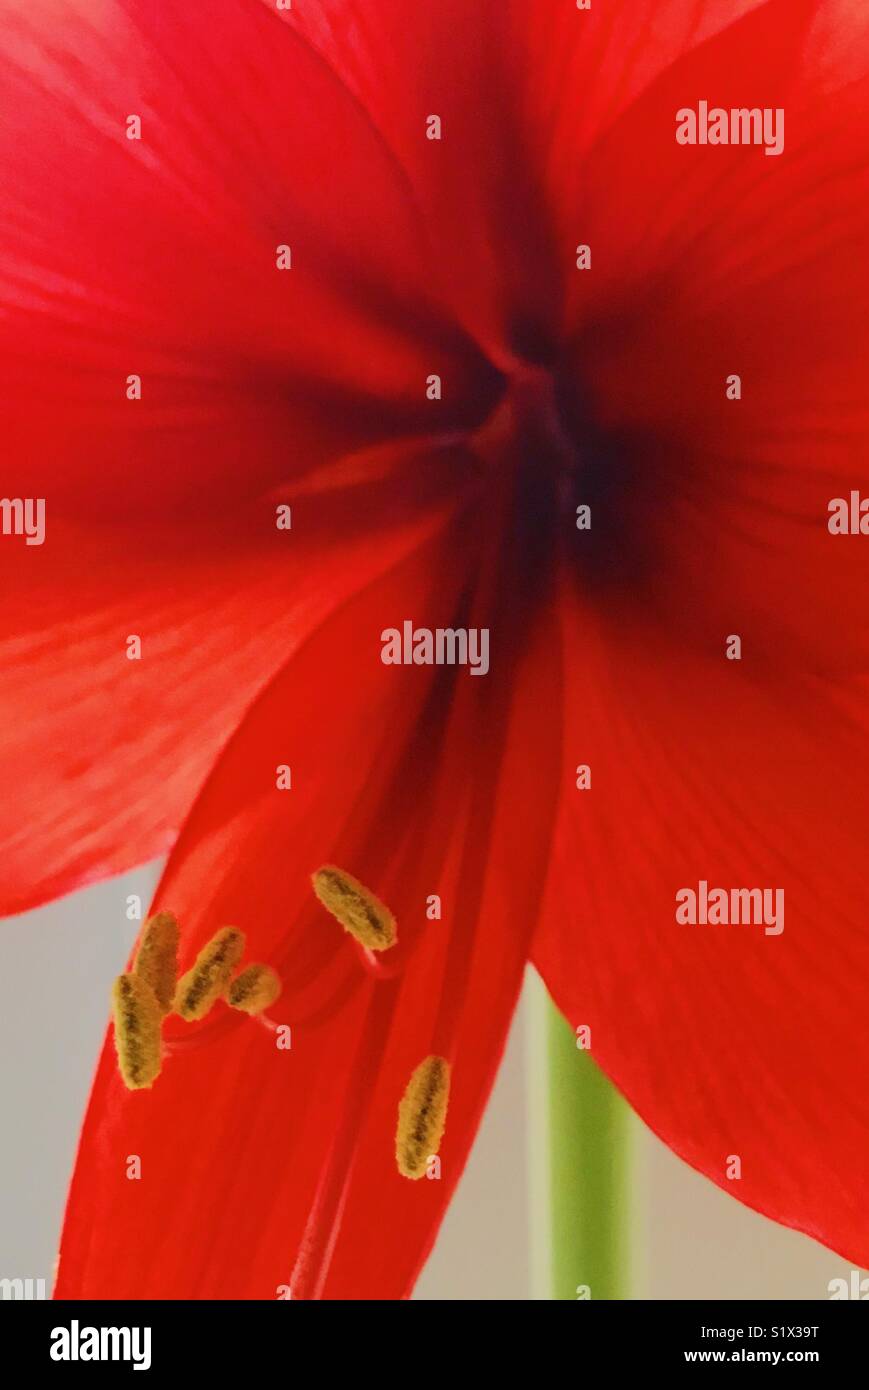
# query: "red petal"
{"type": "Point", "coordinates": [157, 258]}
{"type": "Point", "coordinates": [234, 1134]}
{"type": "Point", "coordinates": [583, 68]}
{"type": "Point", "coordinates": [105, 754]}
{"type": "Point", "coordinates": [229, 1139]}
{"type": "Point", "coordinates": [727, 1041]}
{"type": "Point", "coordinates": [460, 62]}
{"type": "Point", "coordinates": [712, 261]}
{"type": "Point", "coordinates": [390, 1223]}
{"type": "Point", "coordinates": [252, 1121]}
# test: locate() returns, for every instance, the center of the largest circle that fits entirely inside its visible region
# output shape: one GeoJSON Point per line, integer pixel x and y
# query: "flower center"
{"type": "Point", "coordinates": [580, 489]}
{"type": "Point", "coordinates": [528, 426]}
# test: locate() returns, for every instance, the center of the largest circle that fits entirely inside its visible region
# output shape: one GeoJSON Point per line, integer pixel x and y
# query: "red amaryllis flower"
{"type": "Point", "coordinates": [434, 385]}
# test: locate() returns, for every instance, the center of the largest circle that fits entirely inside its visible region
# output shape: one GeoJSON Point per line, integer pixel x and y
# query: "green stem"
{"type": "Point", "coordinates": [581, 1165]}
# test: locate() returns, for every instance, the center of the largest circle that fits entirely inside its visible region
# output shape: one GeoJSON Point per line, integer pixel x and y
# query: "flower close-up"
{"type": "Point", "coordinates": [451, 438]}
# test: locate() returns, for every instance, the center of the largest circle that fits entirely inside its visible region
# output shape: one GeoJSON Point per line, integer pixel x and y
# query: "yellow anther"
{"type": "Point", "coordinates": [207, 980]}
{"type": "Point", "coordinates": [254, 989]}
{"type": "Point", "coordinates": [357, 909]}
{"type": "Point", "coordinates": [157, 958]}
{"type": "Point", "coordinates": [422, 1116]}
{"type": "Point", "coordinates": [137, 1031]}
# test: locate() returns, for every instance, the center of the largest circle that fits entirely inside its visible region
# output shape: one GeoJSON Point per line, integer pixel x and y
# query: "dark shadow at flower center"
{"type": "Point", "coordinates": [583, 493]}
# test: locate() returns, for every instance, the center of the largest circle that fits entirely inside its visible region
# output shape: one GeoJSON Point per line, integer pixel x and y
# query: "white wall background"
{"type": "Point", "coordinates": [56, 967]}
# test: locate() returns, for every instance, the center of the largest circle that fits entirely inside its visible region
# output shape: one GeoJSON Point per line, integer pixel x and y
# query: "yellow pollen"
{"type": "Point", "coordinates": [157, 958]}
{"type": "Point", "coordinates": [137, 1031]}
{"type": "Point", "coordinates": [358, 910]}
{"type": "Point", "coordinates": [207, 980]}
{"type": "Point", "coordinates": [254, 989]}
{"type": "Point", "coordinates": [422, 1116]}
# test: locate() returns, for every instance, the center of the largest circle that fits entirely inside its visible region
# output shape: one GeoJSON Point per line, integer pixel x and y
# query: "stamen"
{"type": "Point", "coordinates": [137, 1031]}
{"type": "Point", "coordinates": [156, 959]}
{"type": "Point", "coordinates": [422, 1116]}
{"type": "Point", "coordinates": [357, 909]}
{"type": "Point", "coordinates": [254, 989]}
{"type": "Point", "coordinates": [203, 985]}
